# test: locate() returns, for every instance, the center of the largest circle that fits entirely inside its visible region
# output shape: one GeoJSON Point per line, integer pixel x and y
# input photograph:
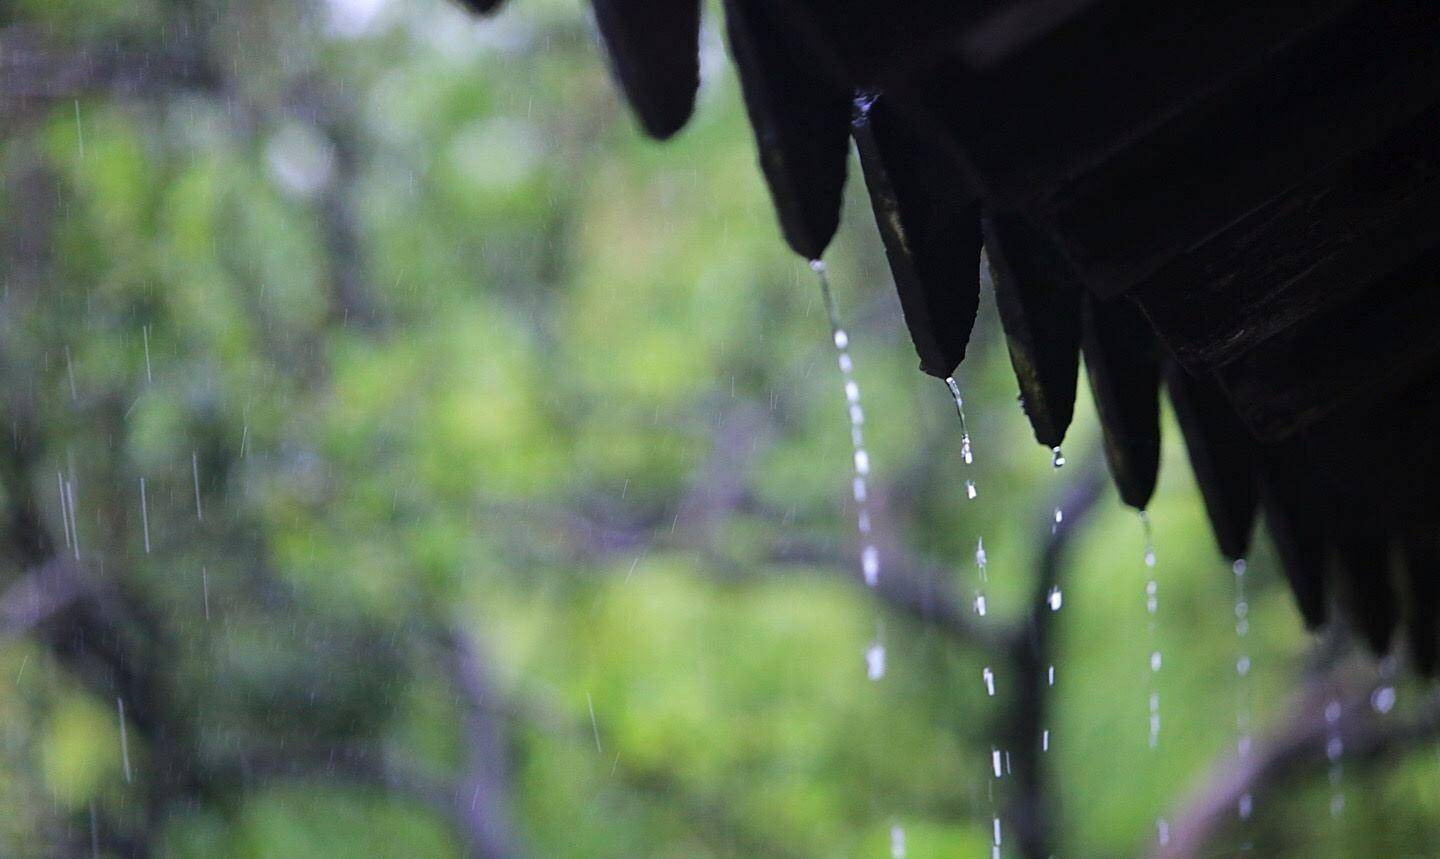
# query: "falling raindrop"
{"type": "Point", "coordinates": [145, 333]}
{"type": "Point", "coordinates": [64, 508]}
{"type": "Point", "coordinates": [1055, 599]}
{"type": "Point", "coordinates": [70, 372]}
{"type": "Point", "coordinates": [124, 742]}
{"type": "Point", "coordinates": [989, 677]}
{"type": "Point", "coordinates": [1383, 699]}
{"type": "Point", "coordinates": [195, 470]}
{"type": "Point", "coordinates": [145, 516]}
{"type": "Point", "coordinates": [1057, 457]}
{"type": "Point", "coordinates": [980, 604]}
{"type": "Point", "coordinates": [74, 523]}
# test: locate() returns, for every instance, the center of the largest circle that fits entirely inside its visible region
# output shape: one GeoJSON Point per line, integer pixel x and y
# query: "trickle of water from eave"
{"type": "Point", "coordinates": [1054, 598]}
{"type": "Point", "coordinates": [870, 567]}
{"type": "Point", "coordinates": [967, 453]}
{"type": "Point", "coordinates": [1152, 609]}
{"type": "Point", "coordinates": [1334, 753]}
{"type": "Point", "coordinates": [1245, 806]}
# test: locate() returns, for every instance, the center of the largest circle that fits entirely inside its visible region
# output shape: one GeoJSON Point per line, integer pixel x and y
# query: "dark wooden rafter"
{"type": "Point", "coordinates": [1039, 300]}
{"type": "Point", "coordinates": [1123, 362]}
{"type": "Point", "coordinates": [930, 226]}
{"type": "Point", "coordinates": [801, 117]}
{"type": "Point", "coordinates": [654, 50]}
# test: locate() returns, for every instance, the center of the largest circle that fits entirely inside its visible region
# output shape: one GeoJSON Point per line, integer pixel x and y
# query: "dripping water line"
{"type": "Point", "coordinates": [967, 454]}
{"type": "Point", "coordinates": [1246, 803]}
{"type": "Point", "coordinates": [1152, 609]}
{"type": "Point", "coordinates": [1334, 755]}
{"type": "Point", "coordinates": [875, 654]}
{"type": "Point", "coordinates": [998, 758]}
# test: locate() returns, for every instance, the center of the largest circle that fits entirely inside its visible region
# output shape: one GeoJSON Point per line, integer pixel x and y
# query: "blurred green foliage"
{"type": "Point", "coordinates": [541, 333]}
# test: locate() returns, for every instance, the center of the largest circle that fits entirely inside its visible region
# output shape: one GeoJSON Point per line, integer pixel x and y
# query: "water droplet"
{"type": "Point", "coordinates": [970, 490]}
{"type": "Point", "coordinates": [1056, 599]}
{"type": "Point", "coordinates": [980, 604]}
{"type": "Point", "coordinates": [980, 556]}
{"type": "Point", "coordinates": [989, 677]}
{"type": "Point", "coordinates": [1334, 748]}
{"type": "Point", "coordinates": [1242, 666]}
{"type": "Point", "coordinates": [1332, 712]}
{"type": "Point", "coordinates": [860, 490]}
{"type": "Point", "coordinates": [862, 462]}
{"type": "Point", "coordinates": [1162, 831]}
{"type": "Point", "coordinates": [842, 340]}
{"type": "Point", "coordinates": [995, 762]}
{"type": "Point", "coordinates": [852, 393]}
{"type": "Point", "coordinates": [897, 842]}
{"type": "Point", "coordinates": [1051, 675]}
{"type": "Point", "coordinates": [870, 564]}
{"type": "Point", "coordinates": [1045, 741]}
{"type": "Point", "coordinates": [875, 661]}
{"type": "Point", "coordinates": [1383, 699]}
{"type": "Point", "coordinates": [1245, 806]}
{"type": "Point", "coordinates": [1057, 457]}
{"type": "Point", "coordinates": [967, 455]}
{"type": "Point", "coordinates": [817, 265]}
{"type": "Point", "coordinates": [1155, 661]}
{"type": "Point", "coordinates": [997, 832]}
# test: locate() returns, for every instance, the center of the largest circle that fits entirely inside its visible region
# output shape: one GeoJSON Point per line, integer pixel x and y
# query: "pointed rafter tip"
{"type": "Point", "coordinates": [801, 120]}
{"type": "Point", "coordinates": [1222, 454]}
{"type": "Point", "coordinates": [1362, 562]}
{"type": "Point", "coordinates": [930, 226]}
{"type": "Point", "coordinates": [1122, 360]}
{"type": "Point", "coordinates": [1421, 556]}
{"type": "Point", "coordinates": [1298, 529]}
{"type": "Point", "coordinates": [1038, 296]}
{"type": "Point", "coordinates": [654, 52]}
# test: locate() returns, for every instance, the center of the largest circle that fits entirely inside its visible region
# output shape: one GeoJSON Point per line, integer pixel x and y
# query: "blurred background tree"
{"type": "Point", "coordinates": [406, 458]}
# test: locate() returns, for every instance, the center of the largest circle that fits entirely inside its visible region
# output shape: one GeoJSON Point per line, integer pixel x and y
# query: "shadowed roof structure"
{"type": "Point", "coordinates": [1238, 202]}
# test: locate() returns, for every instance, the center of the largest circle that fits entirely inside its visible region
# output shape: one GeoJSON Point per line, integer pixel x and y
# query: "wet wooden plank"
{"type": "Point", "coordinates": [1317, 106]}
{"type": "Point", "coordinates": [1296, 256]}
